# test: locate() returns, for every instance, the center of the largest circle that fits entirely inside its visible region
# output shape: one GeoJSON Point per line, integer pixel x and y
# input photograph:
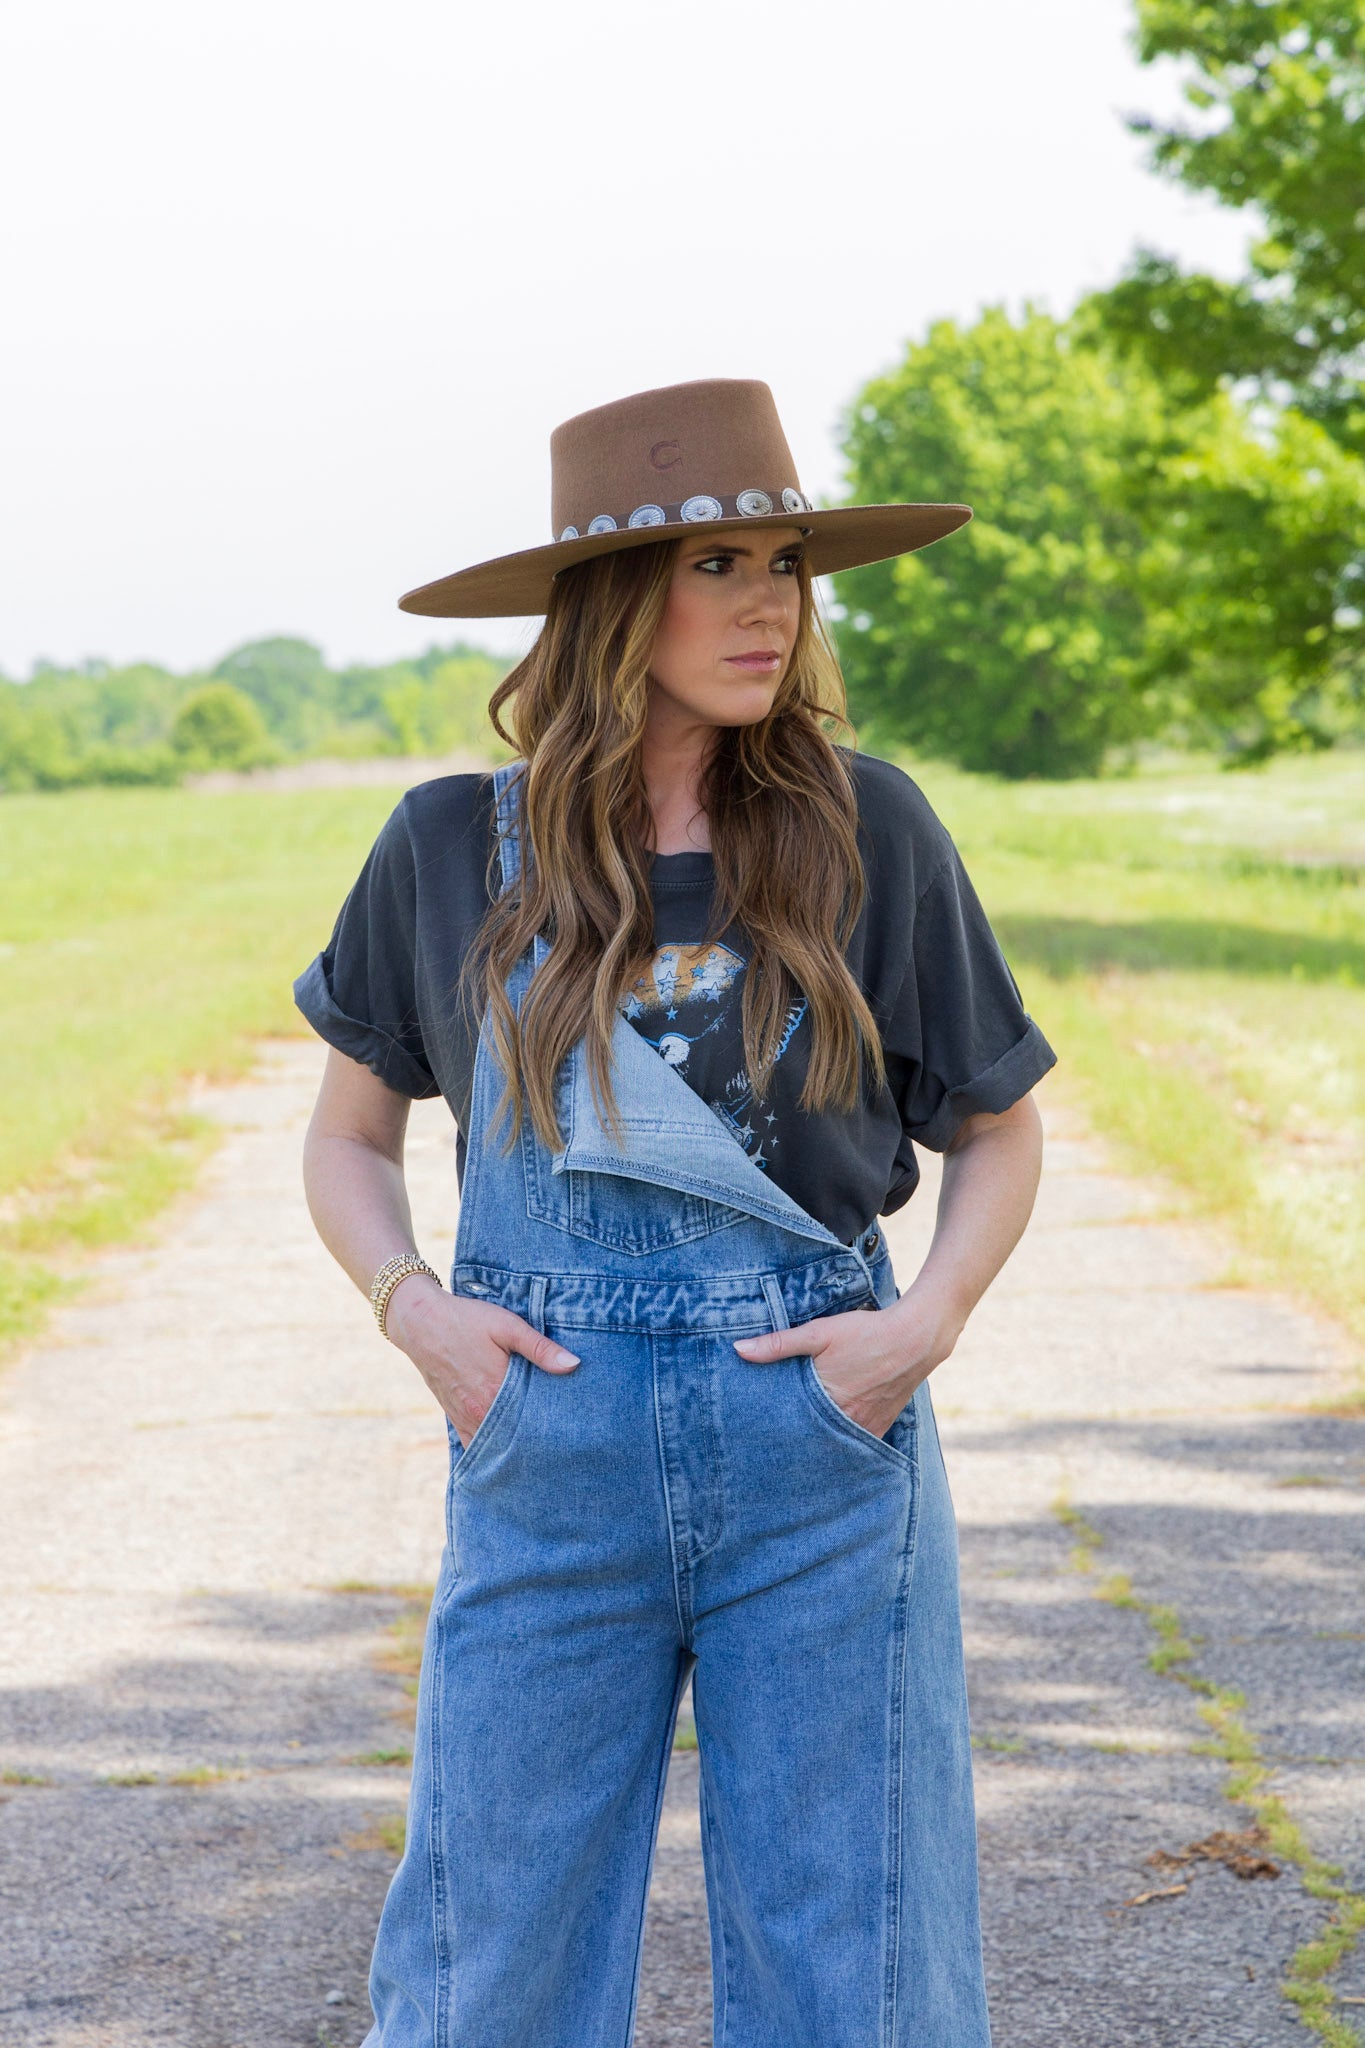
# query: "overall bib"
{"type": "Point", "coordinates": [669, 1509]}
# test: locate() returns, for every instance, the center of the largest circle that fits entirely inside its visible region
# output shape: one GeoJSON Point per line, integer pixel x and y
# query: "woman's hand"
{"type": "Point", "coordinates": [462, 1347]}
{"type": "Point", "coordinates": [869, 1364]}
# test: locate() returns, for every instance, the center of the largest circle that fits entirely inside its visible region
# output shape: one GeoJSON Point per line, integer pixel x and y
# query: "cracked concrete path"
{"type": "Point", "coordinates": [216, 1481]}
{"type": "Point", "coordinates": [1109, 1377]}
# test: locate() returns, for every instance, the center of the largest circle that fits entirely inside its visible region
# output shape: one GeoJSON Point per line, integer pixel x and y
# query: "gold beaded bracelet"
{"type": "Point", "coordinates": [387, 1278]}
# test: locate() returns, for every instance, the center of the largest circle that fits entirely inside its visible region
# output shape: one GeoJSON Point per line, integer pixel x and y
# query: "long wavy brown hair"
{"type": "Point", "coordinates": [782, 812]}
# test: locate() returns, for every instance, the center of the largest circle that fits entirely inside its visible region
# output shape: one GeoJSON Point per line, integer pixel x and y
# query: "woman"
{"type": "Point", "coordinates": [693, 980]}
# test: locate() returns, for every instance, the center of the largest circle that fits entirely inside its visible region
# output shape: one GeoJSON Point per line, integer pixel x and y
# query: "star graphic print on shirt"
{"type": "Point", "coordinates": [686, 1004]}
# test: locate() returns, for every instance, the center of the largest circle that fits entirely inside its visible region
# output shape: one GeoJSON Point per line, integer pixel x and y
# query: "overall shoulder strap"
{"type": "Point", "coordinates": [507, 796]}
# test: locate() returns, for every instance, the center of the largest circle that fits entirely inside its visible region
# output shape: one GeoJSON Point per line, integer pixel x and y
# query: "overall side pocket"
{"type": "Point", "coordinates": [899, 1442]}
{"type": "Point", "coordinates": [494, 1434]}
{"type": "Point", "coordinates": [495, 1425]}
{"type": "Point", "coordinates": [897, 1447]}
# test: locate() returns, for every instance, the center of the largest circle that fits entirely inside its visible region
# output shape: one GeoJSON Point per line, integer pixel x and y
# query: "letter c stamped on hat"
{"type": "Point", "coordinates": [665, 455]}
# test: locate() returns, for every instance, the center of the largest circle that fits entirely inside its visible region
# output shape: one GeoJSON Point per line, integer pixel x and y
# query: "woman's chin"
{"type": "Point", "coordinates": [745, 703]}
{"type": "Point", "coordinates": [746, 700]}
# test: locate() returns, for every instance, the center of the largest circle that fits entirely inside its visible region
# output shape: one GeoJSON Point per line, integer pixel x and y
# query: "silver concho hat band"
{"type": "Point", "coordinates": [751, 504]}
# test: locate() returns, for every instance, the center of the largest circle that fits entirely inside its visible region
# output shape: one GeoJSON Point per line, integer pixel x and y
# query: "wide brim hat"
{"type": "Point", "coordinates": [668, 462]}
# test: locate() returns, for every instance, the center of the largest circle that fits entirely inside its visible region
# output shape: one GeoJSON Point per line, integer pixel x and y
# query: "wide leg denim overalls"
{"type": "Point", "coordinates": [668, 1508]}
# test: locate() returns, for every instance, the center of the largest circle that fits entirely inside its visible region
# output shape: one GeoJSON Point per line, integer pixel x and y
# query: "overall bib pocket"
{"type": "Point", "coordinates": [632, 1216]}
{"type": "Point", "coordinates": [622, 1213]}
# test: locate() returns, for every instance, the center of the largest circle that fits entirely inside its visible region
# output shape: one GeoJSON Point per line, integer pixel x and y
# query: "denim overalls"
{"type": "Point", "coordinates": [667, 1509]}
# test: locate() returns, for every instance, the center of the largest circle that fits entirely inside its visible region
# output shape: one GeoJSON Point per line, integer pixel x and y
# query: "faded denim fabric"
{"type": "Point", "coordinates": [670, 1508]}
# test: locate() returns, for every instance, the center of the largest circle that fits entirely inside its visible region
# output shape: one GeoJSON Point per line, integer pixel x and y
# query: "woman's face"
{"type": "Point", "coordinates": [734, 594]}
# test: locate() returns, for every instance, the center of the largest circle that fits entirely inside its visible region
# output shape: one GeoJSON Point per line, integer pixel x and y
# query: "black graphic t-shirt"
{"type": "Point", "coordinates": [687, 1006]}
{"type": "Point", "coordinates": [955, 1034]}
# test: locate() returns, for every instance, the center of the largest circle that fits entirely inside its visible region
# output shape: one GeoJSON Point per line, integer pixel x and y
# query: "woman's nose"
{"type": "Point", "coordinates": [765, 598]}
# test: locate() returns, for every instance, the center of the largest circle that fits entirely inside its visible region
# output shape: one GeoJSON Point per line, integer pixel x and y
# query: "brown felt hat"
{"type": "Point", "coordinates": [668, 462]}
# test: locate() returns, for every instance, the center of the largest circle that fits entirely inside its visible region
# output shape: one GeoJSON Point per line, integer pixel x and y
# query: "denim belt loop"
{"type": "Point", "coordinates": [772, 1294]}
{"type": "Point", "coordinates": [535, 1307]}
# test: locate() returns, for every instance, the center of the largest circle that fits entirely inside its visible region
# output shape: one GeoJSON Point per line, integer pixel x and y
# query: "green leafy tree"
{"type": "Point", "coordinates": [437, 701]}
{"type": "Point", "coordinates": [129, 767]}
{"type": "Point", "coordinates": [1250, 582]}
{"type": "Point", "coordinates": [360, 695]}
{"type": "Point", "coordinates": [218, 726]}
{"type": "Point", "coordinates": [290, 684]}
{"type": "Point", "coordinates": [459, 689]}
{"type": "Point", "coordinates": [404, 699]}
{"type": "Point", "coordinates": [126, 708]}
{"type": "Point", "coordinates": [1018, 644]}
{"type": "Point", "coordinates": [1276, 90]}
{"type": "Point", "coordinates": [38, 749]}
{"type": "Point", "coordinates": [1142, 560]}
{"type": "Point", "coordinates": [1272, 563]}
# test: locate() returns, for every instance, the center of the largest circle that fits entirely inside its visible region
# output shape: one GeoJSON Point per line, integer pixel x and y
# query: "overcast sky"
{"type": "Point", "coordinates": [296, 291]}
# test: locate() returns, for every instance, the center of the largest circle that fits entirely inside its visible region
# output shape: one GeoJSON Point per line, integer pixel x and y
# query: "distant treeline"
{"type": "Point", "coordinates": [268, 702]}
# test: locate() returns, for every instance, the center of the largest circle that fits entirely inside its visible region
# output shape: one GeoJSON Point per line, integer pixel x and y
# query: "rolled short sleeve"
{"type": "Point", "coordinates": [360, 993]}
{"type": "Point", "coordinates": [963, 1041]}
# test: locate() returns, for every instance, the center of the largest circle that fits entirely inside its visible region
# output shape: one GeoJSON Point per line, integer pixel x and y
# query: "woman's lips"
{"type": "Point", "coordinates": [761, 664]}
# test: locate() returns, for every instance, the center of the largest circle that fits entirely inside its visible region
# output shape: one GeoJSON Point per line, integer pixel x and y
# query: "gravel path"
{"type": "Point", "coordinates": [220, 1496]}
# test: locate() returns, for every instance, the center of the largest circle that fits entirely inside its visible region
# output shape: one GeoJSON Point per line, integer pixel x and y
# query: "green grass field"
{"type": "Point", "coordinates": [1193, 944]}
{"type": "Point", "coordinates": [146, 935]}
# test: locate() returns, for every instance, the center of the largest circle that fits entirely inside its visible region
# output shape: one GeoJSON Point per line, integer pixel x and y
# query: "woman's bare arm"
{"type": "Point", "coordinates": [353, 1171]}
{"type": "Point", "coordinates": [990, 1181]}
{"type": "Point", "coordinates": [358, 1199]}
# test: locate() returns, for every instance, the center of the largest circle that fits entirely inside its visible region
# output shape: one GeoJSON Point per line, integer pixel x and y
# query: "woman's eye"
{"type": "Point", "coordinates": [788, 562]}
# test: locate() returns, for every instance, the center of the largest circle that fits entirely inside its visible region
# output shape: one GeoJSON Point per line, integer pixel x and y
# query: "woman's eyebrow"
{"type": "Point", "coordinates": [726, 547]}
